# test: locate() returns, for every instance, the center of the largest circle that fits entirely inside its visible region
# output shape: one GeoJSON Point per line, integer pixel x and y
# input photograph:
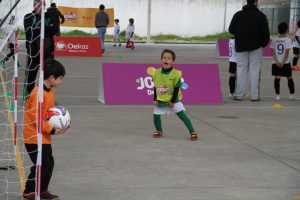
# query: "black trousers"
{"type": "Point", "coordinates": [12, 51]}
{"type": "Point", "coordinates": [46, 170]}
{"type": "Point", "coordinates": [33, 65]}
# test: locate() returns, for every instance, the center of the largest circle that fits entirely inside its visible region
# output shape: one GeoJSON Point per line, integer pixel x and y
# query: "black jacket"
{"type": "Point", "coordinates": [250, 29]}
{"type": "Point", "coordinates": [56, 17]}
{"type": "Point", "coordinates": [32, 26]}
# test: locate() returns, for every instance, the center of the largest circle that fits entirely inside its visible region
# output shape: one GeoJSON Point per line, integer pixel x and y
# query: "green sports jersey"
{"type": "Point", "coordinates": [165, 84]}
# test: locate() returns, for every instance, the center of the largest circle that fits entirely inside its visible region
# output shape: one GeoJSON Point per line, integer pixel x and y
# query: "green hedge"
{"type": "Point", "coordinates": [155, 38]}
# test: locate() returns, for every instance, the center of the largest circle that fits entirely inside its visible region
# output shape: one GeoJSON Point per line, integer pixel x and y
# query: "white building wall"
{"type": "Point", "coordinates": [178, 17]}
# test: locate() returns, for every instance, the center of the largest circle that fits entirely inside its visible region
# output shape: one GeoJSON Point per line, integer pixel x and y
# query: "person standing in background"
{"type": "Point", "coordinates": [32, 27]}
{"type": "Point", "coordinates": [251, 31]}
{"type": "Point", "coordinates": [117, 33]}
{"type": "Point", "coordinates": [101, 23]}
{"type": "Point", "coordinates": [130, 34]}
{"type": "Point", "coordinates": [56, 17]}
{"type": "Point", "coordinates": [296, 48]}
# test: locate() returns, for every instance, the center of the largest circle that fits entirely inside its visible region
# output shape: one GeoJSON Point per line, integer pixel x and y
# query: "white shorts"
{"type": "Point", "coordinates": [178, 107]}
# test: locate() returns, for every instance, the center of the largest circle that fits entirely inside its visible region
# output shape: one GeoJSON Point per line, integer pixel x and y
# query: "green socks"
{"type": "Point", "coordinates": [186, 121]}
{"type": "Point", "coordinates": [181, 115]}
{"type": "Point", "coordinates": [157, 122]}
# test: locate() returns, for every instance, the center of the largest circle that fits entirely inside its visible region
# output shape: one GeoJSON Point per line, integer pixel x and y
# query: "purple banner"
{"type": "Point", "coordinates": [222, 45]}
{"type": "Point", "coordinates": [125, 83]}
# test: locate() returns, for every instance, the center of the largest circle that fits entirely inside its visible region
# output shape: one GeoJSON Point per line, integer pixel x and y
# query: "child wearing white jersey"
{"type": "Point", "coordinates": [281, 66]}
{"type": "Point", "coordinates": [117, 33]}
{"type": "Point", "coordinates": [296, 48]}
{"type": "Point", "coordinates": [232, 66]}
{"type": "Point", "coordinates": [130, 34]}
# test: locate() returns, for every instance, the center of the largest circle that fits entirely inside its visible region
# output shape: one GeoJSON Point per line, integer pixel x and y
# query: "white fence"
{"type": "Point", "coordinates": [178, 17]}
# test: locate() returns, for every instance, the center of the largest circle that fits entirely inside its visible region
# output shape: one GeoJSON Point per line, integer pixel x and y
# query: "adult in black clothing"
{"type": "Point", "coordinates": [56, 17]}
{"type": "Point", "coordinates": [251, 31]}
{"type": "Point", "coordinates": [32, 26]}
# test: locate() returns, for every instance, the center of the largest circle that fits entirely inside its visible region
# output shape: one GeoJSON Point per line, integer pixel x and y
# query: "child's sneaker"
{"type": "Point", "coordinates": [296, 68]}
{"type": "Point", "coordinates": [29, 196]}
{"type": "Point", "coordinates": [277, 98]}
{"type": "Point", "coordinates": [47, 195]}
{"type": "Point", "coordinates": [292, 97]}
{"type": "Point", "coordinates": [194, 136]}
{"type": "Point", "coordinates": [157, 134]}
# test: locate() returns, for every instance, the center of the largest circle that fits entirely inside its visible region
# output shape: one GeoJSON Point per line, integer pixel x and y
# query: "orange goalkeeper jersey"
{"type": "Point", "coordinates": [31, 117]}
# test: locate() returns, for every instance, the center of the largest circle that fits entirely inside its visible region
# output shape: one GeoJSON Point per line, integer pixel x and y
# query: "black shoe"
{"type": "Point", "coordinates": [120, 45]}
{"type": "Point", "coordinates": [47, 195]}
{"type": "Point", "coordinates": [103, 50]}
{"type": "Point", "coordinates": [255, 100]}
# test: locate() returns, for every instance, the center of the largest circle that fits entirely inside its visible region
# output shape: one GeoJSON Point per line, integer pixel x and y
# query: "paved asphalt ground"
{"type": "Point", "coordinates": [247, 150]}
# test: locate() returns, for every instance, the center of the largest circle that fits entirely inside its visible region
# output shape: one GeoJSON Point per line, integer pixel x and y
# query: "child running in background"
{"type": "Point", "coordinates": [232, 66]}
{"type": "Point", "coordinates": [167, 94]}
{"type": "Point", "coordinates": [117, 33]}
{"type": "Point", "coordinates": [130, 34]}
{"type": "Point", "coordinates": [281, 66]}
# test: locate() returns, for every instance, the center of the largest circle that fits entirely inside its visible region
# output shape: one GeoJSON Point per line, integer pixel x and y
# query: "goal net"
{"type": "Point", "coordinates": [15, 163]}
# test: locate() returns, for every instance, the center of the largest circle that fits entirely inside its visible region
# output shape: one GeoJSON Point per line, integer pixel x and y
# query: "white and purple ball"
{"type": "Point", "coordinates": [59, 117]}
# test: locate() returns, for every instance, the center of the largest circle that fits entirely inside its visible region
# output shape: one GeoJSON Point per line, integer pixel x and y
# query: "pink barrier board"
{"type": "Point", "coordinates": [126, 83]}
{"type": "Point", "coordinates": [222, 47]}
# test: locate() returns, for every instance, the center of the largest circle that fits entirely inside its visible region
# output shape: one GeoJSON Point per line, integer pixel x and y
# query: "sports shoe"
{"type": "Point", "coordinates": [296, 68]}
{"type": "Point", "coordinates": [194, 136]}
{"type": "Point", "coordinates": [114, 45]}
{"type": "Point", "coordinates": [292, 97]}
{"type": "Point", "coordinates": [29, 196]}
{"type": "Point", "coordinates": [48, 195]}
{"type": "Point", "coordinates": [277, 98]}
{"type": "Point", "coordinates": [157, 134]}
{"type": "Point", "coordinates": [119, 44]}
{"type": "Point", "coordinates": [236, 99]}
{"type": "Point", "coordinates": [230, 95]}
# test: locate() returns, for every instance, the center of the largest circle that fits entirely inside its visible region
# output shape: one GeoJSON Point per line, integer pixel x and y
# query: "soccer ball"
{"type": "Point", "coordinates": [59, 117]}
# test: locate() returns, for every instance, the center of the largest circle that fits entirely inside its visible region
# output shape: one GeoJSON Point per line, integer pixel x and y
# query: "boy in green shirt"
{"type": "Point", "coordinates": [167, 94]}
